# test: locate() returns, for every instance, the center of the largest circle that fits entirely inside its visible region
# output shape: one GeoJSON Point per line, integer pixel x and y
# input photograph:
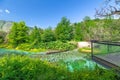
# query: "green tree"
{"type": "Point", "coordinates": [13, 34]}
{"type": "Point", "coordinates": [18, 33]}
{"type": "Point", "coordinates": [87, 26]}
{"type": "Point", "coordinates": [113, 29]}
{"type": "Point", "coordinates": [35, 35]}
{"type": "Point", "coordinates": [64, 30]}
{"type": "Point", "coordinates": [48, 35]}
{"type": "Point", "coordinates": [78, 36]}
{"type": "Point", "coordinates": [86, 18]}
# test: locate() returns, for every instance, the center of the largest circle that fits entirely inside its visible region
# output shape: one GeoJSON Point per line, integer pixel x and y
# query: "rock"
{"type": "Point", "coordinates": [5, 25]}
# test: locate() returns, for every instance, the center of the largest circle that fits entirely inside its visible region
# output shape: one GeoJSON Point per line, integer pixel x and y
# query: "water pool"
{"type": "Point", "coordinates": [72, 60]}
{"type": "Point", "coordinates": [4, 51]}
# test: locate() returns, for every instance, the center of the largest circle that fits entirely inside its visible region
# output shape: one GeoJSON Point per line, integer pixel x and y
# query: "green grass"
{"type": "Point", "coordinates": [85, 50]}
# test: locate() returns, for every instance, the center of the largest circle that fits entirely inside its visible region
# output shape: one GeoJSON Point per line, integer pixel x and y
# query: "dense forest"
{"type": "Point", "coordinates": [63, 37]}
{"type": "Point", "coordinates": [65, 33]}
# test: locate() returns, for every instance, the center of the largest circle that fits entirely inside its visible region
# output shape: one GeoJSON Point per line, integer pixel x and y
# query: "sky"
{"type": "Point", "coordinates": [45, 13]}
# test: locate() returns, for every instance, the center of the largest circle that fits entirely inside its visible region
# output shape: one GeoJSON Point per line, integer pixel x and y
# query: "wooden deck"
{"type": "Point", "coordinates": [110, 60]}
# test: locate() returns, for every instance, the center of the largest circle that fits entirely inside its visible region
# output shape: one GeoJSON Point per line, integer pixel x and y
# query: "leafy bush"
{"type": "Point", "coordinates": [25, 68]}
{"type": "Point", "coordinates": [29, 47]}
{"type": "Point", "coordinates": [57, 45]}
{"type": "Point", "coordinates": [53, 45]}
{"type": "Point", "coordinates": [8, 46]}
{"type": "Point", "coordinates": [37, 50]}
{"type": "Point", "coordinates": [24, 46]}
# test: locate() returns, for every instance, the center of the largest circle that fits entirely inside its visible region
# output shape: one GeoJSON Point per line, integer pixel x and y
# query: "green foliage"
{"type": "Point", "coordinates": [97, 74]}
{"type": "Point", "coordinates": [13, 34]}
{"type": "Point", "coordinates": [87, 27]}
{"type": "Point", "coordinates": [18, 33]}
{"type": "Point", "coordinates": [35, 36]}
{"type": "Point", "coordinates": [64, 31]}
{"type": "Point", "coordinates": [37, 50]}
{"type": "Point", "coordinates": [24, 46]}
{"type": "Point", "coordinates": [57, 45]}
{"type": "Point", "coordinates": [48, 35]}
{"type": "Point", "coordinates": [43, 46]}
{"type": "Point", "coordinates": [25, 68]}
{"type": "Point", "coordinates": [101, 29]}
{"type": "Point", "coordinates": [78, 34]}
{"type": "Point", "coordinates": [29, 47]}
{"type": "Point", "coordinates": [113, 29]}
{"type": "Point", "coordinates": [86, 18]}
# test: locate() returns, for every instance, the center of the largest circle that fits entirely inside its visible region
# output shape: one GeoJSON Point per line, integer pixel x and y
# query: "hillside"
{"type": "Point", "coordinates": [5, 25]}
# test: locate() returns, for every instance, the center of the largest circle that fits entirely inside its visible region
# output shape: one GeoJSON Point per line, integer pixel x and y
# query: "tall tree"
{"type": "Point", "coordinates": [35, 36]}
{"type": "Point", "coordinates": [48, 35]}
{"type": "Point", "coordinates": [13, 34]}
{"type": "Point", "coordinates": [18, 33]}
{"type": "Point", "coordinates": [86, 18]}
{"type": "Point", "coordinates": [78, 36]}
{"type": "Point", "coordinates": [64, 30]}
{"type": "Point", "coordinates": [87, 25]}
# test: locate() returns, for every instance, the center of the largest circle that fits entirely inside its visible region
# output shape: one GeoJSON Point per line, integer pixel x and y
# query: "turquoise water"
{"type": "Point", "coordinates": [80, 64]}
{"type": "Point", "coordinates": [72, 60]}
{"type": "Point", "coordinates": [10, 51]}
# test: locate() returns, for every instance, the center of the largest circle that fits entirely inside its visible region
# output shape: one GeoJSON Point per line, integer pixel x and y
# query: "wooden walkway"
{"type": "Point", "coordinates": [109, 60]}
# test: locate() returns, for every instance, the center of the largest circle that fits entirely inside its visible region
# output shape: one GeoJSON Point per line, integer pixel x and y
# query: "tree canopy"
{"type": "Point", "coordinates": [18, 33]}
{"type": "Point", "coordinates": [64, 30]}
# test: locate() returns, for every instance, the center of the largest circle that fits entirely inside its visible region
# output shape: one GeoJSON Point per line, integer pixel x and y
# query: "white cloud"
{"type": "Point", "coordinates": [7, 11]}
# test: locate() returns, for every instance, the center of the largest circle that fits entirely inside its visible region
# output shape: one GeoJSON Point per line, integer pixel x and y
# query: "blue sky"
{"type": "Point", "coordinates": [44, 13]}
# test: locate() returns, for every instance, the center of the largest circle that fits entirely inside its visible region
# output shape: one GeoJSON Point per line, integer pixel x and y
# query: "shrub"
{"type": "Point", "coordinates": [24, 46]}
{"type": "Point", "coordinates": [57, 45]}
{"type": "Point", "coordinates": [29, 47]}
{"type": "Point", "coordinates": [25, 68]}
{"type": "Point", "coordinates": [37, 50]}
{"type": "Point", "coordinates": [16, 67]}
